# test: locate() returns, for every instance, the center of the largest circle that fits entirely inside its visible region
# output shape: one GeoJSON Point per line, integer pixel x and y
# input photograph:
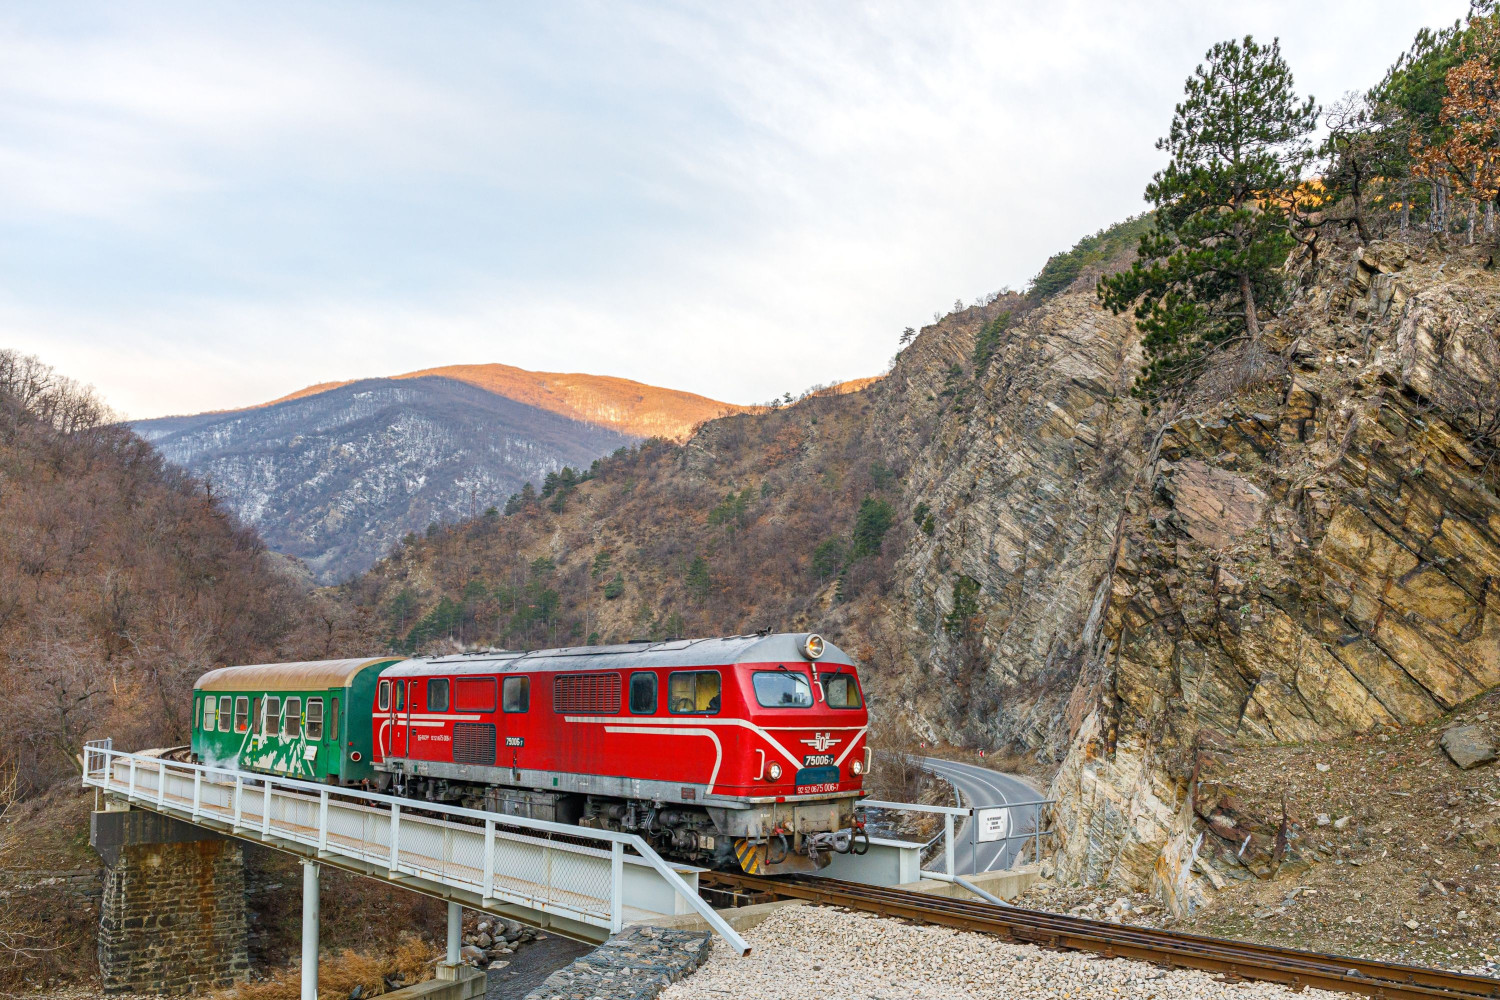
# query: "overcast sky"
{"type": "Point", "coordinates": [207, 205]}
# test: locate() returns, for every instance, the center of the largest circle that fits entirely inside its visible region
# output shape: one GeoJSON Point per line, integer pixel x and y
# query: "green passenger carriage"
{"type": "Point", "coordinates": [292, 719]}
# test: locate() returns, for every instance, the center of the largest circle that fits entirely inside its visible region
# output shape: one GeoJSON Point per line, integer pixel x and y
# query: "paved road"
{"type": "Point", "coordinates": [982, 787]}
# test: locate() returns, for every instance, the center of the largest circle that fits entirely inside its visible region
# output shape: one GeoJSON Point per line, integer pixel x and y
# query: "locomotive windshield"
{"type": "Point", "coordinates": [840, 691]}
{"type": "Point", "coordinates": [782, 689]}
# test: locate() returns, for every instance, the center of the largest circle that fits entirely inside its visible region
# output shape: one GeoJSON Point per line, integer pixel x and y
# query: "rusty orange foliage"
{"type": "Point", "coordinates": [1469, 154]}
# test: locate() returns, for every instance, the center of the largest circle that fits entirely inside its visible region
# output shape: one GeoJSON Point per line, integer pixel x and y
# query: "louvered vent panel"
{"type": "Point", "coordinates": [474, 743]}
{"type": "Point", "coordinates": [586, 694]}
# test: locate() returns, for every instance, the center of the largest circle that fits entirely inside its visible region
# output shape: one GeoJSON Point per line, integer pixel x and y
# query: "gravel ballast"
{"type": "Point", "coordinates": [823, 953]}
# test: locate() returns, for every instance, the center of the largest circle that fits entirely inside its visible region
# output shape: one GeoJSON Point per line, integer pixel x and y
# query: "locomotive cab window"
{"type": "Point", "coordinates": [643, 693]}
{"type": "Point", "coordinates": [437, 694]}
{"type": "Point", "coordinates": [383, 698]}
{"type": "Point", "coordinates": [401, 696]}
{"type": "Point", "coordinates": [517, 694]}
{"type": "Point", "coordinates": [242, 713]}
{"type": "Point", "coordinates": [272, 725]}
{"type": "Point", "coordinates": [841, 691]}
{"type": "Point", "coordinates": [782, 689]}
{"type": "Point", "coordinates": [291, 722]}
{"type": "Point", "coordinates": [693, 692]}
{"type": "Point", "coordinates": [315, 718]}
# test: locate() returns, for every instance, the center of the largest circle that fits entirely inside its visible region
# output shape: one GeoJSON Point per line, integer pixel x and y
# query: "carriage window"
{"type": "Point", "coordinates": [242, 713]}
{"type": "Point", "coordinates": [226, 713]}
{"type": "Point", "coordinates": [840, 691]}
{"type": "Point", "coordinates": [643, 693]}
{"type": "Point", "coordinates": [291, 721]}
{"type": "Point", "coordinates": [208, 714]}
{"type": "Point", "coordinates": [315, 718]}
{"type": "Point", "coordinates": [272, 716]}
{"type": "Point", "coordinates": [586, 694]}
{"type": "Point", "coordinates": [383, 699]}
{"type": "Point", "coordinates": [474, 694]}
{"type": "Point", "coordinates": [437, 694]}
{"type": "Point", "coordinates": [333, 721]}
{"type": "Point", "coordinates": [517, 691]}
{"type": "Point", "coordinates": [782, 689]}
{"type": "Point", "coordinates": [693, 692]}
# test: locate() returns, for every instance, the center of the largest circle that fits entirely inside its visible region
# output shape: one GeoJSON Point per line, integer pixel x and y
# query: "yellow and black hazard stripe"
{"type": "Point", "coordinates": [752, 857]}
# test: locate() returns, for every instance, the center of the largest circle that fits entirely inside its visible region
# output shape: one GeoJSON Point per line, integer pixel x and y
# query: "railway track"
{"type": "Point", "coordinates": [1233, 959]}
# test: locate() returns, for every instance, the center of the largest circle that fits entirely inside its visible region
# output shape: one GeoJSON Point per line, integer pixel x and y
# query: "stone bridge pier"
{"type": "Point", "coordinates": [173, 916]}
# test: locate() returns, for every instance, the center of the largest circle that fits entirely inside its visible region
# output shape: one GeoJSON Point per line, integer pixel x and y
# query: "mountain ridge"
{"type": "Point", "coordinates": [625, 405]}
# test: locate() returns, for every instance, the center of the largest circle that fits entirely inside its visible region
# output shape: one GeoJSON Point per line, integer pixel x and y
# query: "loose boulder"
{"type": "Point", "coordinates": [1469, 746]}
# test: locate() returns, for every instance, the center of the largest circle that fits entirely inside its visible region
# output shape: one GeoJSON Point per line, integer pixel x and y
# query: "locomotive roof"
{"type": "Point", "coordinates": [304, 675]}
{"type": "Point", "coordinates": [715, 652]}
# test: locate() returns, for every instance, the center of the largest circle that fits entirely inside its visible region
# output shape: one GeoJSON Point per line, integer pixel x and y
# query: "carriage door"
{"type": "Point", "coordinates": [411, 690]}
{"type": "Point", "coordinates": [392, 700]}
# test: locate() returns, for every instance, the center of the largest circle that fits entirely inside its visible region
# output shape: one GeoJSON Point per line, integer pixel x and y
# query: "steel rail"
{"type": "Point", "coordinates": [1236, 959]}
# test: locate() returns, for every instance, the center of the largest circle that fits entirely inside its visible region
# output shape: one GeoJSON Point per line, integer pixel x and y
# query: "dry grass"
{"type": "Point", "coordinates": [340, 974]}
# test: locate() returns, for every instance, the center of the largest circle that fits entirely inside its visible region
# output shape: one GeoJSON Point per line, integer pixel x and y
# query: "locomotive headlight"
{"type": "Point", "coordinates": [774, 771]}
{"type": "Point", "coordinates": [858, 767]}
{"type": "Point", "coordinates": [813, 646]}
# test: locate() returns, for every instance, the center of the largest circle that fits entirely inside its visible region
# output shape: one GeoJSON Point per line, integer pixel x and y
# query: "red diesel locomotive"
{"type": "Point", "coordinates": [740, 751]}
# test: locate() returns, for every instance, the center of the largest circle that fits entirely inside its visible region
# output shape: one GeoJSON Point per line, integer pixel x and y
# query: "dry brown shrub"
{"type": "Point", "coordinates": [339, 974]}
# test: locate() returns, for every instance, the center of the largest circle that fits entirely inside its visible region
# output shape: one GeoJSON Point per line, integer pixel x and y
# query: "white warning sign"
{"type": "Point", "coordinates": [994, 824]}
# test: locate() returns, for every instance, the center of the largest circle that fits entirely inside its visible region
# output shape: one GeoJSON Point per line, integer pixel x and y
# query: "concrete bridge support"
{"type": "Point", "coordinates": [173, 913]}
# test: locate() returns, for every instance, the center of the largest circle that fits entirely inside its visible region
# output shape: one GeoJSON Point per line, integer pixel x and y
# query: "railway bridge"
{"type": "Point", "coordinates": [171, 833]}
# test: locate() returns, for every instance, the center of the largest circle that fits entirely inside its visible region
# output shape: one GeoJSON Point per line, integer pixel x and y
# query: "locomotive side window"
{"type": "Point", "coordinates": [273, 716]}
{"type": "Point", "coordinates": [242, 713]}
{"type": "Point", "coordinates": [840, 691]}
{"type": "Point", "coordinates": [586, 694]}
{"type": "Point", "coordinates": [474, 694]}
{"type": "Point", "coordinates": [782, 689]}
{"type": "Point", "coordinates": [291, 723]}
{"type": "Point", "coordinates": [517, 691]}
{"type": "Point", "coordinates": [383, 698]}
{"type": "Point", "coordinates": [401, 696]}
{"type": "Point", "coordinates": [437, 694]}
{"type": "Point", "coordinates": [315, 718]}
{"type": "Point", "coordinates": [694, 692]}
{"type": "Point", "coordinates": [643, 693]}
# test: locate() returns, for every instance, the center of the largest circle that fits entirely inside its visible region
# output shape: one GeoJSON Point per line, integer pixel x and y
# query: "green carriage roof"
{"type": "Point", "coordinates": [306, 675]}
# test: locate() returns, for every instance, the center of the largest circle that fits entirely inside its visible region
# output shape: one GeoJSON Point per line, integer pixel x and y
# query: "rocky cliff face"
{"type": "Point", "coordinates": [1311, 553]}
{"type": "Point", "coordinates": [1026, 474]}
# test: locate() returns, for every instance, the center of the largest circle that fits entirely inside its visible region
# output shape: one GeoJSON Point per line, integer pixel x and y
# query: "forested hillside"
{"type": "Point", "coordinates": [121, 580]}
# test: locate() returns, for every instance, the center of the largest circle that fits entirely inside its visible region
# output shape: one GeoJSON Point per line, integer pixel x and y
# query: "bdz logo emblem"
{"type": "Point", "coordinates": [821, 741]}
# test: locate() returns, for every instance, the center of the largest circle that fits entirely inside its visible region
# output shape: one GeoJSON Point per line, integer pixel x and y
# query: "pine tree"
{"type": "Point", "coordinates": [1238, 143]}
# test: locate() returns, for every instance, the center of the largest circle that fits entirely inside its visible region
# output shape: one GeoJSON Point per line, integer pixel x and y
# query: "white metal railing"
{"type": "Point", "coordinates": [974, 813]}
{"type": "Point", "coordinates": [570, 871]}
